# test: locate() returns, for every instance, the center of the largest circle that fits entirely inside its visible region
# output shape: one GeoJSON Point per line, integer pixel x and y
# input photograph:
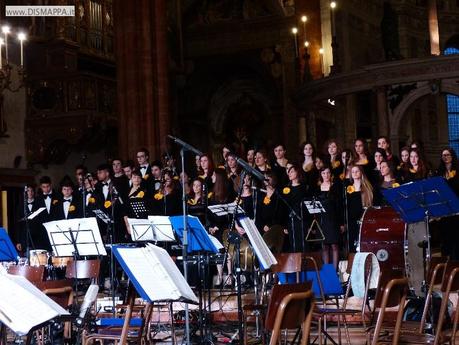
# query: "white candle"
{"type": "Point", "coordinates": [22, 37]}
{"type": "Point", "coordinates": [1, 43]}
{"type": "Point", "coordinates": [6, 31]}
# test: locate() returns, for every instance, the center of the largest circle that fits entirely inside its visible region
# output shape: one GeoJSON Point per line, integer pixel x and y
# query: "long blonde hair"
{"type": "Point", "coordinates": [366, 190]}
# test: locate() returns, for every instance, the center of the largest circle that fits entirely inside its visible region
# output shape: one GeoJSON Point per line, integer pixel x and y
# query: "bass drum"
{"type": "Point", "coordinates": [382, 232]}
{"type": "Point", "coordinates": [416, 240]}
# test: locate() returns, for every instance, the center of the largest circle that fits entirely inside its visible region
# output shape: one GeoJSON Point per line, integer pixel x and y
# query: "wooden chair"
{"type": "Point", "coordinates": [286, 263]}
{"type": "Point", "coordinates": [450, 283]}
{"type": "Point", "coordinates": [341, 312]}
{"type": "Point", "coordinates": [64, 297]}
{"type": "Point", "coordinates": [31, 273]}
{"type": "Point", "coordinates": [83, 269]}
{"type": "Point", "coordinates": [392, 294]}
{"type": "Point", "coordinates": [293, 311]}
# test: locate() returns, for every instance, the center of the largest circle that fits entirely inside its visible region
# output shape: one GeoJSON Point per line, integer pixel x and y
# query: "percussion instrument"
{"type": "Point", "coordinates": [246, 253]}
{"type": "Point", "coordinates": [382, 232]}
{"type": "Point", "coordinates": [38, 257]}
{"type": "Point", "coordinates": [395, 243]}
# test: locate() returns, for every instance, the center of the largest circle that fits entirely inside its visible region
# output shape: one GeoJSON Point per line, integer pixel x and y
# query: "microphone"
{"type": "Point", "coordinates": [246, 166]}
{"type": "Point", "coordinates": [89, 299]}
{"type": "Point", "coordinates": [260, 189]}
{"type": "Point", "coordinates": [185, 145]}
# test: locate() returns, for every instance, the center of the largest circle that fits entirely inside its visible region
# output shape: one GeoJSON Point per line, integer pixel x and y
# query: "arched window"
{"type": "Point", "coordinates": [452, 103]}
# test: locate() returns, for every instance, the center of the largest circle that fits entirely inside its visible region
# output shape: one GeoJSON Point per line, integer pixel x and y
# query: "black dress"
{"type": "Point", "coordinates": [355, 212]}
{"type": "Point", "coordinates": [295, 195]}
{"type": "Point", "coordinates": [331, 220]}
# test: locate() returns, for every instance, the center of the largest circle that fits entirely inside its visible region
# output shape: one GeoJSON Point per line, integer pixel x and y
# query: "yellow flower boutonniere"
{"type": "Point", "coordinates": [140, 194]}
{"type": "Point", "coordinates": [266, 200]}
{"type": "Point", "coordinates": [286, 190]}
{"type": "Point", "coordinates": [412, 171]}
{"type": "Point", "coordinates": [210, 195]}
{"type": "Point", "coordinates": [55, 201]}
{"type": "Point", "coordinates": [146, 176]}
{"type": "Point", "coordinates": [158, 196]}
{"type": "Point", "coordinates": [192, 202]}
{"type": "Point", "coordinates": [221, 167]}
{"type": "Point", "coordinates": [72, 208]}
{"type": "Point", "coordinates": [91, 200]}
{"type": "Point", "coordinates": [395, 185]}
{"type": "Point", "coordinates": [451, 174]}
{"type": "Point", "coordinates": [363, 162]}
{"type": "Point", "coordinates": [176, 178]}
{"type": "Point", "coordinates": [350, 189]}
{"type": "Point", "coordinates": [336, 164]}
{"type": "Point", "coordinates": [107, 204]}
{"type": "Point", "coordinates": [201, 177]}
{"type": "Point", "coordinates": [399, 167]}
{"type": "Point", "coordinates": [341, 176]}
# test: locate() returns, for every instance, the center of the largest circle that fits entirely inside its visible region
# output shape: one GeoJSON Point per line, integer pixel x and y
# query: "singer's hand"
{"type": "Point", "coordinates": [213, 230]}
{"type": "Point", "coordinates": [239, 229]}
{"type": "Point", "coordinates": [286, 231]}
{"type": "Point", "coordinates": [342, 228]}
{"type": "Point", "coordinates": [19, 247]}
{"type": "Point", "coordinates": [266, 228]}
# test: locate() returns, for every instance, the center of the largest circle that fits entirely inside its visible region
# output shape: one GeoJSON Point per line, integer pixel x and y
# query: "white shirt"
{"type": "Point", "coordinates": [66, 205]}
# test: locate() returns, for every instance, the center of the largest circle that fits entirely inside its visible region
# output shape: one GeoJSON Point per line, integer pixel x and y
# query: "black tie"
{"type": "Point", "coordinates": [67, 200]}
{"type": "Point", "coordinates": [47, 196]}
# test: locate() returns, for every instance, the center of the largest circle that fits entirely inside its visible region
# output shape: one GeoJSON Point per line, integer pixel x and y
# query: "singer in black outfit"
{"type": "Point", "coordinates": [294, 194]}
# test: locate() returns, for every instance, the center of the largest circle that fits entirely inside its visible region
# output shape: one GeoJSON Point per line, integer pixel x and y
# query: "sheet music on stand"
{"type": "Point", "coordinates": [154, 274]}
{"type": "Point", "coordinates": [314, 206]}
{"type": "Point", "coordinates": [23, 306]}
{"type": "Point", "coordinates": [139, 207]}
{"type": "Point", "coordinates": [101, 215]}
{"type": "Point", "coordinates": [7, 250]}
{"type": "Point", "coordinates": [36, 213]}
{"type": "Point", "coordinates": [155, 229]}
{"type": "Point", "coordinates": [225, 209]}
{"type": "Point", "coordinates": [80, 234]}
{"type": "Point", "coordinates": [261, 249]}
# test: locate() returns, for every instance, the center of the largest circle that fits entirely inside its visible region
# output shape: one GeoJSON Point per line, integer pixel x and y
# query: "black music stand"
{"type": "Point", "coordinates": [139, 208]}
{"type": "Point", "coordinates": [198, 241]}
{"type": "Point", "coordinates": [154, 229]}
{"type": "Point", "coordinates": [421, 200]}
{"type": "Point", "coordinates": [7, 250]}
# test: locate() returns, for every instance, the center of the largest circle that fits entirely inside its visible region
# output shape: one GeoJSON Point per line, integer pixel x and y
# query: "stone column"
{"type": "Point", "coordinates": [142, 76]}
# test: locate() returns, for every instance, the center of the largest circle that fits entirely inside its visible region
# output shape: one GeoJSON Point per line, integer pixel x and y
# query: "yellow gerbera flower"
{"type": "Point", "coordinates": [72, 208]}
{"type": "Point", "coordinates": [395, 185]}
{"type": "Point", "coordinates": [140, 194]}
{"type": "Point", "coordinates": [158, 196]}
{"type": "Point", "coordinates": [91, 200]}
{"type": "Point", "coordinates": [286, 190]}
{"type": "Point", "coordinates": [451, 174]}
{"type": "Point", "coordinates": [266, 200]}
{"type": "Point", "coordinates": [107, 204]}
{"type": "Point", "coordinates": [350, 189]}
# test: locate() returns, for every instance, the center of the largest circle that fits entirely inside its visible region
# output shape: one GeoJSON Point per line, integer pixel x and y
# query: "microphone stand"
{"type": "Point", "coordinates": [235, 238]}
{"type": "Point", "coordinates": [26, 219]}
{"type": "Point", "coordinates": [185, 147]}
{"type": "Point", "coordinates": [111, 232]}
{"type": "Point", "coordinates": [292, 215]}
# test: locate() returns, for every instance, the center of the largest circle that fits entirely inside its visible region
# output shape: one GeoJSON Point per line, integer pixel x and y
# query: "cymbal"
{"type": "Point", "coordinates": [274, 238]}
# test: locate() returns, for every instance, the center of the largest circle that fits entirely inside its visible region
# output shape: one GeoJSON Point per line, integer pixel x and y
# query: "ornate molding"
{"type": "Point", "coordinates": [373, 76]}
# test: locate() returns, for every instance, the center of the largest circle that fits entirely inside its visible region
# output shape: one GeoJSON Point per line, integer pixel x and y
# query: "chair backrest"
{"type": "Point", "coordinates": [295, 310]}
{"type": "Point", "coordinates": [313, 262]}
{"type": "Point", "coordinates": [394, 294]}
{"type": "Point", "coordinates": [288, 263]}
{"type": "Point", "coordinates": [278, 293]}
{"type": "Point", "coordinates": [83, 269]}
{"type": "Point", "coordinates": [434, 261]}
{"type": "Point", "coordinates": [393, 299]}
{"type": "Point", "coordinates": [451, 279]}
{"type": "Point", "coordinates": [31, 273]}
{"type": "Point", "coordinates": [62, 296]}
